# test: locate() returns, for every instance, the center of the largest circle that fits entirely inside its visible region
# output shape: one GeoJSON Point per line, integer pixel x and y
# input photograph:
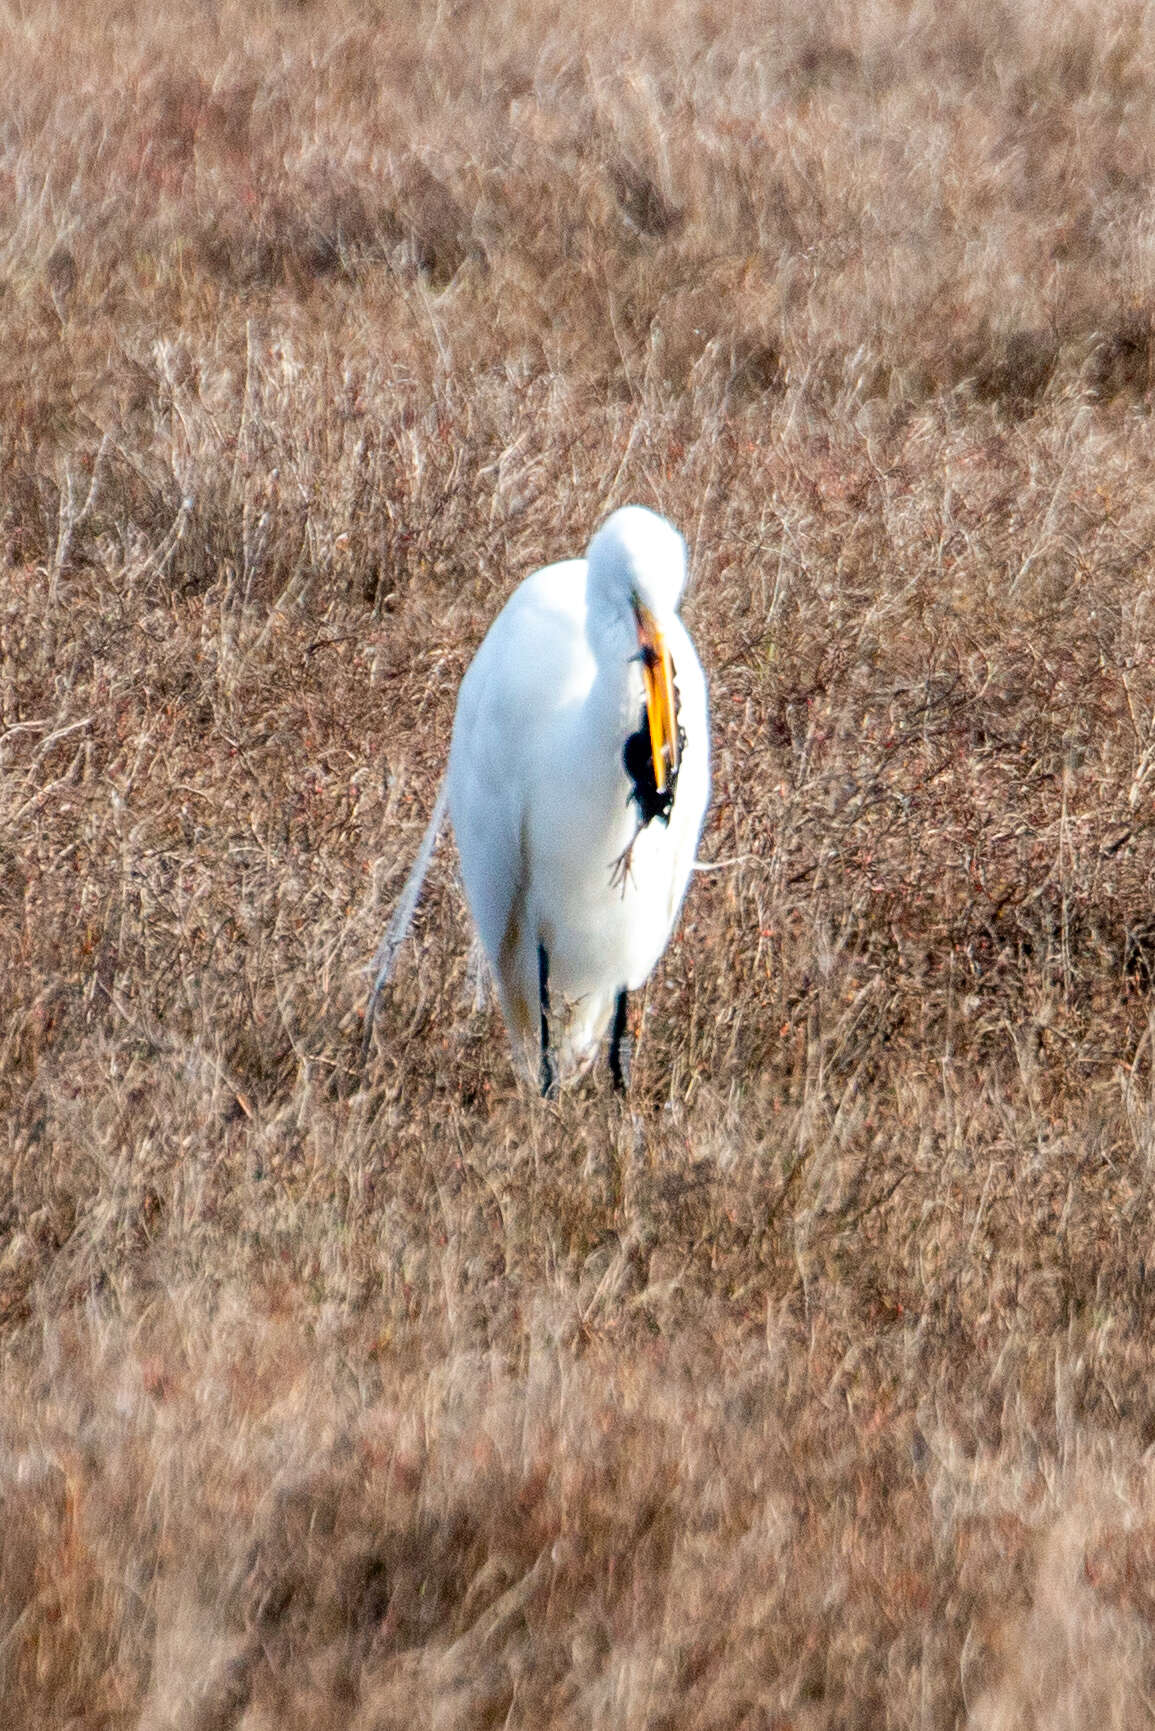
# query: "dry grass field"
{"type": "Point", "coordinates": [816, 1388]}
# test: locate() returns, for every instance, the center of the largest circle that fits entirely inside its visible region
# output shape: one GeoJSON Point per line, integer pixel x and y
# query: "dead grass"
{"type": "Point", "coordinates": [816, 1389]}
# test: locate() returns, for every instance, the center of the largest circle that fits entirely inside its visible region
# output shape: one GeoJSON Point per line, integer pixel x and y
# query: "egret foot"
{"type": "Point", "coordinates": [621, 1045]}
{"type": "Point", "coordinates": [548, 1067]}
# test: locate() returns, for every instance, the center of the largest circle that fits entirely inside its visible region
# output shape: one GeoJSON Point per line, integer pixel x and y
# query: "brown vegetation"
{"type": "Point", "coordinates": [816, 1389]}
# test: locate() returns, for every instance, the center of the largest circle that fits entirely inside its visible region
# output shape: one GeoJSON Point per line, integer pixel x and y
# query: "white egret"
{"type": "Point", "coordinates": [578, 781]}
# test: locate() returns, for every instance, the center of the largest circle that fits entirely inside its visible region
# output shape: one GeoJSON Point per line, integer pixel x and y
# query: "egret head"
{"type": "Point", "coordinates": [638, 557]}
{"type": "Point", "coordinates": [637, 570]}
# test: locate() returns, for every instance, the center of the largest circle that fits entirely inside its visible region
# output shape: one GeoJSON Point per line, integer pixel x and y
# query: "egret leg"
{"type": "Point", "coordinates": [548, 1069]}
{"type": "Point", "coordinates": [621, 1046]}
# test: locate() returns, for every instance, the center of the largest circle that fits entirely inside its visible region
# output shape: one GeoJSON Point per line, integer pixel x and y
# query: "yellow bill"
{"type": "Point", "coordinates": [661, 704]}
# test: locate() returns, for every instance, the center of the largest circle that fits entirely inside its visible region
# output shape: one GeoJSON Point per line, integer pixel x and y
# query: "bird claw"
{"type": "Point", "coordinates": [622, 868]}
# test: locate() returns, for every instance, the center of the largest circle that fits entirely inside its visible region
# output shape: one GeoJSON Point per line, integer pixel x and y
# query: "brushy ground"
{"type": "Point", "coordinates": [816, 1388]}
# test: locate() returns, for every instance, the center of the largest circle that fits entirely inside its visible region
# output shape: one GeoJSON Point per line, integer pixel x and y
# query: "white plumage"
{"type": "Point", "coordinates": [578, 781]}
